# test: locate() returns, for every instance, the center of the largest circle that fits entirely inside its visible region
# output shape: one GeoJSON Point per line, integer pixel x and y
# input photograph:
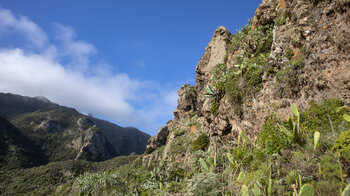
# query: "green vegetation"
{"type": "Point", "coordinates": [180, 144]}
{"type": "Point", "coordinates": [271, 137]}
{"type": "Point", "coordinates": [104, 183]}
{"type": "Point", "coordinates": [287, 82]}
{"type": "Point", "coordinates": [273, 164]}
{"type": "Point", "coordinates": [342, 146]}
{"type": "Point", "coordinates": [178, 132]}
{"type": "Point", "coordinates": [201, 142]}
{"type": "Point", "coordinates": [289, 53]}
{"type": "Point", "coordinates": [46, 179]}
{"type": "Point", "coordinates": [241, 83]}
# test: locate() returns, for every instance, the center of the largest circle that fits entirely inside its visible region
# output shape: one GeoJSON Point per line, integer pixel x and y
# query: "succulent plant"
{"type": "Point", "coordinates": [307, 190]}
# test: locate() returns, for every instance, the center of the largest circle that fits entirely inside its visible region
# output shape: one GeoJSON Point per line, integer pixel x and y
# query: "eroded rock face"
{"type": "Point", "coordinates": [187, 101]}
{"type": "Point", "coordinates": [215, 53]}
{"type": "Point", "coordinates": [158, 140]}
{"type": "Point", "coordinates": [92, 145]}
{"type": "Point", "coordinates": [90, 142]}
{"type": "Point", "coordinates": [85, 123]}
{"type": "Point", "coordinates": [50, 126]}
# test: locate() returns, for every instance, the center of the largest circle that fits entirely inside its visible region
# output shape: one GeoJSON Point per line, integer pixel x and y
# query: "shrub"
{"type": "Point", "coordinates": [99, 183]}
{"type": "Point", "coordinates": [217, 90]}
{"type": "Point", "coordinates": [297, 63]}
{"type": "Point", "coordinates": [342, 145]}
{"type": "Point", "coordinates": [178, 132]}
{"type": "Point", "coordinates": [318, 117]}
{"type": "Point", "coordinates": [287, 82]}
{"type": "Point", "coordinates": [180, 143]}
{"type": "Point", "coordinates": [201, 142]}
{"type": "Point", "coordinates": [271, 138]}
{"type": "Point", "coordinates": [289, 53]}
{"type": "Point", "coordinates": [205, 184]}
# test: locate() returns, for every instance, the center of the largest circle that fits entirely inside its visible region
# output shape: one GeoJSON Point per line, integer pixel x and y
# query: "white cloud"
{"type": "Point", "coordinates": [10, 23]}
{"type": "Point", "coordinates": [77, 52]}
{"type": "Point", "coordinates": [64, 74]}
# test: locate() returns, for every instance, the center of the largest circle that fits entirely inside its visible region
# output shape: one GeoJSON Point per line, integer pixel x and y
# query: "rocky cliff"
{"type": "Point", "coordinates": [290, 52]}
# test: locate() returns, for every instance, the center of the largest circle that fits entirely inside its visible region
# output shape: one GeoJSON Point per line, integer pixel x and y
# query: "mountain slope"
{"type": "Point", "coordinates": [125, 140]}
{"type": "Point", "coordinates": [12, 105]}
{"type": "Point", "coordinates": [17, 150]}
{"type": "Point", "coordinates": [64, 133]}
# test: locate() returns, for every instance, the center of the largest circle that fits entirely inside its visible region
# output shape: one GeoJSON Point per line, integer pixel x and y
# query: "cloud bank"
{"type": "Point", "coordinates": [61, 71]}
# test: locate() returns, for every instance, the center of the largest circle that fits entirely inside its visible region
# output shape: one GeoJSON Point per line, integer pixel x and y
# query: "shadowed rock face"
{"type": "Point", "coordinates": [17, 150]}
{"type": "Point", "coordinates": [50, 126]}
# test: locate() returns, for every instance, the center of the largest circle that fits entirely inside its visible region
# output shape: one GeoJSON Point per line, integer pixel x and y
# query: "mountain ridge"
{"type": "Point", "coordinates": [62, 131]}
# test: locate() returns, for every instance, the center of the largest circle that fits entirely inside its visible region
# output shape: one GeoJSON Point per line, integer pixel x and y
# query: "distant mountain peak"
{"type": "Point", "coordinates": [43, 99]}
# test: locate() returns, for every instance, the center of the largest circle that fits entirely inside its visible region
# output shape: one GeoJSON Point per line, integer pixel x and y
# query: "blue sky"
{"type": "Point", "coordinates": [120, 60]}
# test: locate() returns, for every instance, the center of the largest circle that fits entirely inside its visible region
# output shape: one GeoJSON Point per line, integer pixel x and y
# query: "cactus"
{"type": "Point", "coordinates": [295, 110]}
{"type": "Point", "coordinates": [286, 132]}
{"type": "Point", "coordinates": [240, 176]}
{"type": "Point", "coordinates": [294, 135]}
{"type": "Point", "coordinates": [204, 165]}
{"type": "Point", "coordinates": [346, 117]}
{"type": "Point", "coordinates": [210, 160]}
{"type": "Point", "coordinates": [346, 191]}
{"type": "Point", "coordinates": [307, 190]}
{"type": "Point", "coordinates": [230, 159]}
{"type": "Point", "coordinates": [256, 190]}
{"type": "Point", "coordinates": [270, 187]}
{"type": "Point", "coordinates": [244, 138]}
{"type": "Point", "coordinates": [300, 181]}
{"type": "Point", "coordinates": [245, 191]}
{"type": "Point", "coordinates": [216, 150]}
{"type": "Point", "coordinates": [319, 169]}
{"type": "Point", "coordinates": [316, 138]}
{"type": "Point", "coordinates": [239, 139]}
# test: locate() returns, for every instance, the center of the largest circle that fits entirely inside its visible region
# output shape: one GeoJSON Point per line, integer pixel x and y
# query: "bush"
{"type": "Point", "coordinates": [205, 184]}
{"type": "Point", "coordinates": [342, 145]}
{"type": "Point", "coordinates": [178, 132]}
{"type": "Point", "coordinates": [271, 138]}
{"type": "Point", "coordinates": [289, 53]}
{"type": "Point", "coordinates": [287, 82]}
{"type": "Point", "coordinates": [201, 142]}
{"type": "Point", "coordinates": [319, 116]}
{"type": "Point", "coordinates": [99, 183]}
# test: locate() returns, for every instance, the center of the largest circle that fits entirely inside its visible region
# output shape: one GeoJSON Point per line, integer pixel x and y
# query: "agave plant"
{"type": "Point", "coordinates": [210, 91]}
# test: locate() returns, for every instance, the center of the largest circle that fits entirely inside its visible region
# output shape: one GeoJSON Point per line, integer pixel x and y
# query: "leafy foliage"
{"type": "Point", "coordinates": [271, 138]}
{"type": "Point", "coordinates": [241, 83]}
{"type": "Point", "coordinates": [100, 183]}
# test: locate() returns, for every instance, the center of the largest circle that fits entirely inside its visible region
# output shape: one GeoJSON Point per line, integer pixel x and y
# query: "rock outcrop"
{"type": "Point", "coordinates": [158, 140]}
{"type": "Point", "coordinates": [90, 142]}
{"type": "Point", "coordinates": [50, 126]}
{"type": "Point", "coordinates": [187, 101]}
{"type": "Point", "coordinates": [215, 53]}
